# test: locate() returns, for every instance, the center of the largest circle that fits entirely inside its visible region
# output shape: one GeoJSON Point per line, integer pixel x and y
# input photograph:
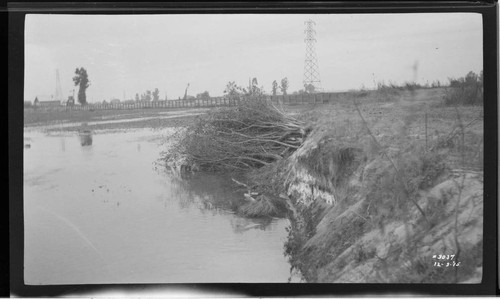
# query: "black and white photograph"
{"type": "Point", "coordinates": [253, 148]}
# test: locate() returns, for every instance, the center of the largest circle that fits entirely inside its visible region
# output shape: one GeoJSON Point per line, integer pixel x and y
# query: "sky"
{"type": "Point", "coordinates": [129, 54]}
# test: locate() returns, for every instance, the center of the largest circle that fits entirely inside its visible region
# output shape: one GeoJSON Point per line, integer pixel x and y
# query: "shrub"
{"type": "Point", "coordinates": [467, 90]}
{"type": "Point", "coordinates": [412, 86]}
{"type": "Point", "coordinates": [421, 168]}
{"type": "Point", "coordinates": [389, 192]}
{"type": "Point", "coordinates": [250, 135]}
{"type": "Point", "coordinates": [387, 93]}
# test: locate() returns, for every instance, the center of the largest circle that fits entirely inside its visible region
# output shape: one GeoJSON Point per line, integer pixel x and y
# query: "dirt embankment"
{"type": "Point", "coordinates": [382, 199]}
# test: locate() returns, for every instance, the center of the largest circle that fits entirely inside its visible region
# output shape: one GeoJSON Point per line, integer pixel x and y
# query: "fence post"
{"type": "Point", "coordinates": [425, 131]}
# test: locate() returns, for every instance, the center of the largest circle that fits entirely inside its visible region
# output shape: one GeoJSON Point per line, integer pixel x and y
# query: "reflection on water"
{"type": "Point", "coordinates": [216, 194]}
{"type": "Point", "coordinates": [206, 191]}
{"type": "Point", "coordinates": [85, 135]}
{"type": "Point", "coordinates": [86, 139]}
{"type": "Point", "coordinates": [103, 214]}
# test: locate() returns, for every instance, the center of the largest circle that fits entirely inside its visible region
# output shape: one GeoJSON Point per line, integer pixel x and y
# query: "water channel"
{"type": "Point", "coordinates": [99, 208]}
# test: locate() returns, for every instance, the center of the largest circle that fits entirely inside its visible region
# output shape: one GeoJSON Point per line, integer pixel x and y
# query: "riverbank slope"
{"type": "Point", "coordinates": [386, 189]}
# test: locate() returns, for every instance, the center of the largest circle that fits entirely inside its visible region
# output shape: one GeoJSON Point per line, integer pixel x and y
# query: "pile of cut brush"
{"type": "Point", "coordinates": [250, 135]}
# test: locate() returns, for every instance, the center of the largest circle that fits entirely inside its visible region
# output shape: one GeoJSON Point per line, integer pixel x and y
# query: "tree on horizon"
{"type": "Point", "coordinates": [275, 87]}
{"type": "Point", "coordinates": [284, 85]}
{"type": "Point", "coordinates": [156, 95]}
{"type": "Point", "coordinates": [82, 80]}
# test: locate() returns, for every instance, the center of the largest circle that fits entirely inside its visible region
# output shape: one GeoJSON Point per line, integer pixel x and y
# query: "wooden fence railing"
{"type": "Point", "coordinates": [299, 99]}
{"type": "Point", "coordinates": [307, 99]}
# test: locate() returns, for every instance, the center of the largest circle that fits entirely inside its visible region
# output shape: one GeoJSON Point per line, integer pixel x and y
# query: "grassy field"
{"type": "Point", "coordinates": [411, 119]}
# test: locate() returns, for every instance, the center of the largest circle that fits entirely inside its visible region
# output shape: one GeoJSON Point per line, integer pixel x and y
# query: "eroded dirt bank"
{"type": "Point", "coordinates": [381, 196]}
{"type": "Point", "coordinates": [386, 186]}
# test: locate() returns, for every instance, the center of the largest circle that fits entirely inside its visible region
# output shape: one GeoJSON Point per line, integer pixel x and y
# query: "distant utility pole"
{"type": "Point", "coordinates": [311, 72]}
{"type": "Point", "coordinates": [58, 93]}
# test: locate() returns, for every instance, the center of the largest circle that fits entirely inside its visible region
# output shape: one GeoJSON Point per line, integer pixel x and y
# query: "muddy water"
{"type": "Point", "coordinates": [99, 212]}
{"type": "Point", "coordinates": [170, 115]}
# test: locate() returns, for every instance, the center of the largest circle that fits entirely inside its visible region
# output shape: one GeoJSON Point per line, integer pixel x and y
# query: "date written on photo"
{"type": "Point", "coordinates": [443, 257]}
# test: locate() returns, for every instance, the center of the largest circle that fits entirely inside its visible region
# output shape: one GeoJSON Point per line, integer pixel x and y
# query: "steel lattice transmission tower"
{"type": "Point", "coordinates": [311, 72]}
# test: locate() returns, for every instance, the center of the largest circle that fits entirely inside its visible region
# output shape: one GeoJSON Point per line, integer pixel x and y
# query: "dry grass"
{"type": "Point", "coordinates": [413, 144]}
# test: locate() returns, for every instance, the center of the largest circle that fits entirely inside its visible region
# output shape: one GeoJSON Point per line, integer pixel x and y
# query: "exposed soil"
{"type": "Point", "coordinates": [382, 204]}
